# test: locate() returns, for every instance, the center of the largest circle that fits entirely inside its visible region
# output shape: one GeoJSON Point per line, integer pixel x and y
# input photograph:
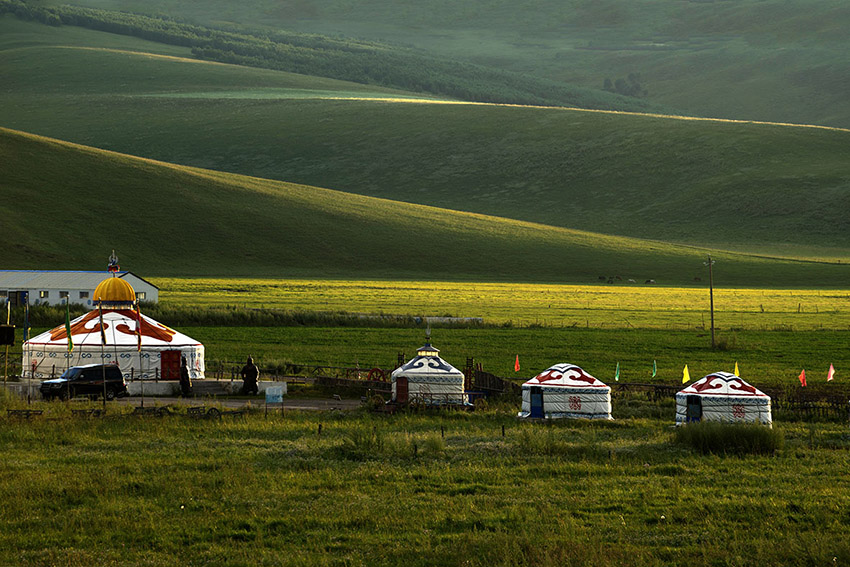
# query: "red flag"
{"type": "Point", "coordinates": [803, 378]}
{"type": "Point", "coordinates": [516, 364]}
{"type": "Point", "coordinates": [830, 374]}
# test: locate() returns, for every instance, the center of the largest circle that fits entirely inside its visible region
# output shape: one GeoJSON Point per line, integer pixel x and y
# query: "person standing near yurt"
{"type": "Point", "coordinates": [185, 380]}
{"type": "Point", "coordinates": [250, 377]}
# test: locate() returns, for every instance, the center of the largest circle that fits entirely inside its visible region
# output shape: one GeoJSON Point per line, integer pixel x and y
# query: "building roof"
{"type": "Point", "coordinates": [57, 279]}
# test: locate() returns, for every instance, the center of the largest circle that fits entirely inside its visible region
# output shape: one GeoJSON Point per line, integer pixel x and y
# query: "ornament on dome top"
{"type": "Point", "coordinates": [113, 266]}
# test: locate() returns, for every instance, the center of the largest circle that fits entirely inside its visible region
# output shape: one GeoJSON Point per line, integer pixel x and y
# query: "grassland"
{"type": "Point", "coordinates": [762, 60]}
{"type": "Point", "coordinates": [386, 491]}
{"type": "Point", "coordinates": [623, 305]}
{"type": "Point", "coordinates": [207, 221]}
{"type": "Point", "coordinates": [753, 187]}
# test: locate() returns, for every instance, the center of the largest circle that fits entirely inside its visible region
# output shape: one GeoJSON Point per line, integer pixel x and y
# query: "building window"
{"type": "Point", "coordinates": [140, 295]}
{"type": "Point", "coordinates": [63, 295]}
{"type": "Point", "coordinates": [84, 295]}
{"type": "Point", "coordinates": [44, 294]}
{"type": "Point", "coordinates": [4, 293]}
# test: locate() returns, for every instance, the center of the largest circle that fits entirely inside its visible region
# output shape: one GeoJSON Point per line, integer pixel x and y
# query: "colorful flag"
{"type": "Point", "coordinates": [138, 328]}
{"type": "Point", "coordinates": [102, 331]}
{"type": "Point", "coordinates": [831, 374]}
{"type": "Point", "coordinates": [617, 372]}
{"type": "Point", "coordinates": [516, 364]}
{"type": "Point", "coordinates": [654, 369]}
{"type": "Point", "coordinates": [803, 378]}
{"type": "Point", "coordinates": [736, 369]}
{"type": "Point", "coordinates": [686, 376]}
{"type": "Point", "coordinates": [68, 325]}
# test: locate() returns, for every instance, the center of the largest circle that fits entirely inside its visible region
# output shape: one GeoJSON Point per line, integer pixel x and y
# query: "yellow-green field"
{"type": "Point", "coordinates": [622, 305]}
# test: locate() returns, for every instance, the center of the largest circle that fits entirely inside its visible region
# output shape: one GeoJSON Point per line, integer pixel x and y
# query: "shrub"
{"type": "Point", "coordinates": [730, 438]}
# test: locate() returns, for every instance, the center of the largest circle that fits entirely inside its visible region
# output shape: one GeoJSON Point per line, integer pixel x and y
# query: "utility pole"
{"type": "Point", "coordinates": [710, 263]}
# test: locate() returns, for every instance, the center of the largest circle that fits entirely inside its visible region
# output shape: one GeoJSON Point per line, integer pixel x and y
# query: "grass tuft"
{"type": "Point", "coordinates": [733, 439]}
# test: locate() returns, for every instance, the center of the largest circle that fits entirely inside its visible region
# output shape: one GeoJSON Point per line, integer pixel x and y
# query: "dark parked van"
{"type": "Point", "coordinates": [86, 381]}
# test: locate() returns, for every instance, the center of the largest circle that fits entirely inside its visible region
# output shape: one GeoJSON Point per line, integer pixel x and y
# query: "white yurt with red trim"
{"type": "Point", "coordinates": [114, 332]}
{"type": "Point", "coordinates": [565, 390]}
{"type": "Point", "coordinates": [722, 396]}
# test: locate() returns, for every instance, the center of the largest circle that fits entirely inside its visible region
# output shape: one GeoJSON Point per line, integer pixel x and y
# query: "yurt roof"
{"type": "Point", "coordinates": [119, 328]}
{"type": "Point", "coordinates": [427, 363]}
{"type": "Point", "coordinates": [565, 375]}
{"type": "Point", "coordinates": [723, 384]}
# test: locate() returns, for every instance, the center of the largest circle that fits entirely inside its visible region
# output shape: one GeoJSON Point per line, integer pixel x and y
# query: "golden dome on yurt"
{"type": "Point", "coordinates": [114, 290]}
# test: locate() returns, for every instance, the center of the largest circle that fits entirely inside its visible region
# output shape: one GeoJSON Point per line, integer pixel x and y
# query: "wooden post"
{"type": "Point", "coordinates": [710, 263]}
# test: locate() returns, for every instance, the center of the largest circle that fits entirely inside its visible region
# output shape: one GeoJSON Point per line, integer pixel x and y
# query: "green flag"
{"type": "Point", "coordinates": [654, 369]}
{"type": "Point", "coordinates": [68, 325]}
{"type": "Point", "coordinates": [617, 373]}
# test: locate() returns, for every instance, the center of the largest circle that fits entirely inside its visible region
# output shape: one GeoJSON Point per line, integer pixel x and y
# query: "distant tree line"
{"type": "Point", "coordinates": [309, 54]}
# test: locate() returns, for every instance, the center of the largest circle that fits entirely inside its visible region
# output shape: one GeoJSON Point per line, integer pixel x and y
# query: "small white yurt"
{"type": "Point", "coordinates": [114, 332]}
{"type": "Point", "coordinates": [565, 390]}
{"type": "Point", "coordinates": [722, 396]}
{"type": "Point", "coordinates": [428, 379]}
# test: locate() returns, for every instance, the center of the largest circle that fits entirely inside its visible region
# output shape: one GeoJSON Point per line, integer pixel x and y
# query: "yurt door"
{"type": "Point", "coordinates": [694, 409]}
{"type": "Point", "coordinates": [536, 395]}
{"type": "Point", "coordinates": [401, 391]}
{"type": "Point", "coordinates": [170, 364]}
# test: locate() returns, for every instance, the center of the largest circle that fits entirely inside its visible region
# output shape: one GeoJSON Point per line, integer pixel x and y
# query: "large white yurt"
{"type": "Point", "coordinates": [722, 396]}
{"type": "Point", "coordinates": [112, 333]}
{"type": "Point", "coordinates": [565, 390]}
{"type": "Point", "coordinates": [428, 379]}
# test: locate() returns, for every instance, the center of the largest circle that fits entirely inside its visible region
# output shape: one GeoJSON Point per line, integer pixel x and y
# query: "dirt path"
{"type": "Point", "coordinates": [312, 404]}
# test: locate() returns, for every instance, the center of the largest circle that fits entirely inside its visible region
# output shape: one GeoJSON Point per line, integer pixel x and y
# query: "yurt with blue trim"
{"type": "Point", "coordinates": [565, 391]}
{"type": "Point", "coordinates": [115, 332]}
{"type": "Point", "coordinates": [725, 397]}
{"type": "Point", "coordinates": [428, 379]}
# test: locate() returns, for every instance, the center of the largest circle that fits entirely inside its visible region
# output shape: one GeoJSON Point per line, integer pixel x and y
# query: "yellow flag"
{"type": "Point", "coordinates": [736, 369]}
{"type": "Point", "coordinates": [686, 376]}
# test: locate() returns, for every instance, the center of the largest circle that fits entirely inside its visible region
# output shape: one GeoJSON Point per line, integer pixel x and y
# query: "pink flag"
{"type": "Point", "coordinates": [516, 364]}
{"type": "Point", "coordinates": [803, 378]}
{"type": "Point", "coordinates": [830, 374]}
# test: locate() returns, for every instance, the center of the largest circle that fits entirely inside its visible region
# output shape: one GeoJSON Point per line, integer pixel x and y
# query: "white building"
{"type": "Point", "coordinates": [115, 333]}
{"type": "Point", "coordinates": [56, 287]}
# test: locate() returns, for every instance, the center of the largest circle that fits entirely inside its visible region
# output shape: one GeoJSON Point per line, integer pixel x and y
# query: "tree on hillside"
{"type": "Point", "coordinates": [630, 86]}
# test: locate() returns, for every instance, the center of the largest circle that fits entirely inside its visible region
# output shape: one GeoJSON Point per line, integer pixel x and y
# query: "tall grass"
{"type": "Point", "coordinates": [735, 439]}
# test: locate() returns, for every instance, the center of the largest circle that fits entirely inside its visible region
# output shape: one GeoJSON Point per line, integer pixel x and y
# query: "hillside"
{"type": "Point", "coordinates": [337, 58]}
{"type": "Point", "coordinates": [772, 60]}
{"type": "Point", "coordinates": [64, 206]}
{"type": "Point", "coordinates": [765, 188]}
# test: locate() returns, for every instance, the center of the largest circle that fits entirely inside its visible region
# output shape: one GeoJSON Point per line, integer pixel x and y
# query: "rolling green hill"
{"type": "Point", "coordinates": [64, 206]}
{"type": "Point", "coordinates": [338, 58]}
{"type": "Point", "coordinates": [775, 60]}
{"type": "Point", "coordinates": [767, 188]}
